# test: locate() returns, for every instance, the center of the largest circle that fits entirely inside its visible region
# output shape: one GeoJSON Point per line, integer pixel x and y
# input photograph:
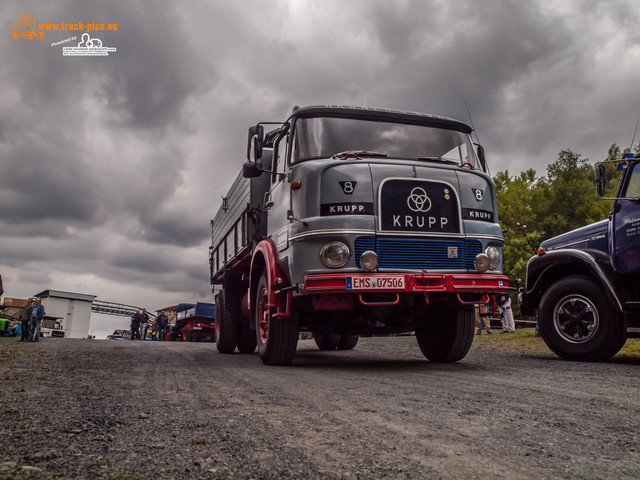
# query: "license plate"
{"type": "Point", "coordinates": [386, 282]}
{"type": "Point", "coordinates": [196, 328]}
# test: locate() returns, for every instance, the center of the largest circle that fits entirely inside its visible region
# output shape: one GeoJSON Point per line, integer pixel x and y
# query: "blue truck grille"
{"type": "Point", "coordinates": [418, 253]}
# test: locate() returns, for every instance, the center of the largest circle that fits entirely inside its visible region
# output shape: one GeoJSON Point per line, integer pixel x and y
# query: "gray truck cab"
{"type": "Point", "coordinates": [377, 222]}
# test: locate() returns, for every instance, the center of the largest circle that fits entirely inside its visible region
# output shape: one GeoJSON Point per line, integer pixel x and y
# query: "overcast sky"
{"type": "Point", "coordinates": [112, 167]}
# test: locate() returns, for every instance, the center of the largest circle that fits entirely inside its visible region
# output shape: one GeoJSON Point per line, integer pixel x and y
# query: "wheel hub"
{"type": "Point", "coordinates": [576, 319]}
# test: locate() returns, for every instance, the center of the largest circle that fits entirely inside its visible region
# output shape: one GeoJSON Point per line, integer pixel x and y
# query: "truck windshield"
{"type": "Point", "coordinates": [324, 137]}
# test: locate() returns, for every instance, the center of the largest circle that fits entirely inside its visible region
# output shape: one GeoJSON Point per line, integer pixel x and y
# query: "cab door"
{"type": "Point", "coordinates": [278, 199]}
{"type": "Point", "coordinates": [625, 246]}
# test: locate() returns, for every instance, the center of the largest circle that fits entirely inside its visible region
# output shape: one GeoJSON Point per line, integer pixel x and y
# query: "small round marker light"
{"type": "Point", "coordinates": [369, 260]}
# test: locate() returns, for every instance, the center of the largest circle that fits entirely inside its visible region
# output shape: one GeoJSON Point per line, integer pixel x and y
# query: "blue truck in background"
{"type": "Point", "coordinates": [195, 322]}
{"type": "Point", "coordinates": [584, 285]}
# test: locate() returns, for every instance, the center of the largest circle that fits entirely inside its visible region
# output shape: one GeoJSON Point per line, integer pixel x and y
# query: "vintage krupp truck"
{"type": "Point", "coordinates": [351, 221]}
{"type": "Point", "coordinates": [585, 284]}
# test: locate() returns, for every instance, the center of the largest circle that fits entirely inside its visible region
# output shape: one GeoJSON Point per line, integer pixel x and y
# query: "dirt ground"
{"type": "Point", "coordinates": [132, 410]}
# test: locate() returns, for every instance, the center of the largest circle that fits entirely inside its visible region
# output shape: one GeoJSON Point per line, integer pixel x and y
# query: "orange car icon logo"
{"type": "Point", "coordinates": [26, 27]}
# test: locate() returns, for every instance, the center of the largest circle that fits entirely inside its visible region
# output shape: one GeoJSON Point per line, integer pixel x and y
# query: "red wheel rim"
{"type": "Point", "coordinates": [263, 315]}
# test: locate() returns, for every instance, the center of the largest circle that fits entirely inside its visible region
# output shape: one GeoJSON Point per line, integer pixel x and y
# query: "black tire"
{"type": "Point", "coordinates": [277, 338]}
{"type": "Point", "coordinates": [447, 334]}
{"type": "Point", "coordinates": [247, 340]}
{"type": "Point", "coordinates": [348, 342]}
{"type": "Point", "coordinates": [226, 329]}
{"type": "Point", "coordinates": [578, 322]}
{"type": "Point", "coordinates": [326, 341]}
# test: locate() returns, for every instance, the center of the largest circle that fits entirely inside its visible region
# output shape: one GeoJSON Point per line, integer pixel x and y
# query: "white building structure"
{"type": "Point", "coordinates": [73, 308]}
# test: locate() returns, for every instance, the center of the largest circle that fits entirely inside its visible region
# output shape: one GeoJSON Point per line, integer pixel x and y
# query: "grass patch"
{"type": "Point", "coordinates": [525, 341]}
{"type": "Point", "coordinates": [632, 347]}
{"type": "Point", "coordinates": [521, 341]}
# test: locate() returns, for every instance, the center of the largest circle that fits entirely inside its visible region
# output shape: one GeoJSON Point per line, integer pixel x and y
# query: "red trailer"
{"type": "Point", "coordinates": [195, 322]}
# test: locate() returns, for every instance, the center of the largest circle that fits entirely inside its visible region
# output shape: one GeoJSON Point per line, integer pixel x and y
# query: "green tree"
{"type": "Point", "coordinates": [572, 202]}
{"type": "Point", "coordinates": [518, 200]}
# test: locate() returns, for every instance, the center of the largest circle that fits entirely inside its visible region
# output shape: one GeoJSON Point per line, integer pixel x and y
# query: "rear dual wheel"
{"type": "Point", "coordinates": [226, 331]}
{"type": "Point", "coordinates": [231, 331]}
{"type": "Point", "coordinates": [330, 341]}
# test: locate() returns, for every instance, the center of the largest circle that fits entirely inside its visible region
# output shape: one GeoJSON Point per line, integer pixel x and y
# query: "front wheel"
{"type": "Point", "coordinates": [277, 337]}
{"type": "Point", "coordinates": [578, 322]}
{"type": "Point", "coordinates": [447, 335]}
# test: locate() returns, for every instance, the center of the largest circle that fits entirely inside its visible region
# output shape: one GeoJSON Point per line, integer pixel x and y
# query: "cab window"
{"type": "Point", "coordinates": [633, 185]}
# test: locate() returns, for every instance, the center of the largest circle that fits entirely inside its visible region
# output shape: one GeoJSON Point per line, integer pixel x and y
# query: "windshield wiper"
{"type": "Point", "coordinates": [358, 154]}
{"type": "Point", "coordinates": [438, 159]}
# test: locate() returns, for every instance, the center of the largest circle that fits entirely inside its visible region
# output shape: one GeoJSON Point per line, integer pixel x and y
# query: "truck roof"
{"type": "Point", "coordinates": [382, 114]}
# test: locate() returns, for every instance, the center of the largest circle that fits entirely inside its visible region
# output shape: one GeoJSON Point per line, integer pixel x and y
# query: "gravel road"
{"type": "Point", "coordinates": [132, 410]}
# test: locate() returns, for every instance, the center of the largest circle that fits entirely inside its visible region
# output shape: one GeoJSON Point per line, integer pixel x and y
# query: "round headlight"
{"type": "Point", "coordinates": [481, 262]}
{"type": "Point", "coordinates": [369, 260]}
{"type": "Point", "coordinates": [494, 257]}
{"type": "Point", "coordinates": [335, 254]}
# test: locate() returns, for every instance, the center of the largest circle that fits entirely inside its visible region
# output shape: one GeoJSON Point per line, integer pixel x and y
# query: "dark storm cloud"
{"type": "Point", "coordinates": [146, 87]}
{"type": "Point", "coordinates": [449, 52]}
{"type": "Point", "coordinates": [39, 182]}
{"type": "Point", "coordinates": [175, 228]}
{"type": "Point", "coordinates": [157, 70]}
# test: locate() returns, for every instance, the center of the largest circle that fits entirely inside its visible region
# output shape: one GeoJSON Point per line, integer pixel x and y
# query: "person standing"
{"type": "Point", "coordinates": [36, 320]}
{"type": "Point", "coordinates": [161, 323]}
{"type": "Point", "coordinates": [504, 305]}
{"type": "Point", "coordinates": [483, 316]}
{"type": "Point", "coordinates": [135, 326]}
{"type": "Point", "coordinates": [25, 319]}
{"type": "Point", "coordinates": [144, 323]}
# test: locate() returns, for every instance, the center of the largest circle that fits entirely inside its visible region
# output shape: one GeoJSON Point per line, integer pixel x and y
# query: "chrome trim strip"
{"type": "Point", "coordinates": [331, 232]}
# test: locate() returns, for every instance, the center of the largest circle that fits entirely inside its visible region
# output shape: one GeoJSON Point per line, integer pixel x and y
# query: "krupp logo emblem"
{"type": "Point", "coordinates": [418, 201]}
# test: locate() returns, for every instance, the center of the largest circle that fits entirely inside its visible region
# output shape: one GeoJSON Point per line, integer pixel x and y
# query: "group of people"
{"type": "Point", "coordinates": [31, 320]}
{"type": "Point", "coordinates": [506, 316]}
{"type": "Point", "coordinates": [140, 326]}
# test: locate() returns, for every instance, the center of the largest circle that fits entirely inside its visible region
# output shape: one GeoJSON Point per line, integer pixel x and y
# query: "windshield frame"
{"type": "Point", "coordinates": [380, 135]}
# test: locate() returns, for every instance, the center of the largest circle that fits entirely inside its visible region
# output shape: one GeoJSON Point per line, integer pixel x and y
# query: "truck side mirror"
{"type": "Point", "coordinates": [600, 181]}
{"type": "Point", "coordinates": [482, 157]}
{"type": "Point", "coordinates": [251, 170]}
{"type": "Point", "coordinates": [255, 143]}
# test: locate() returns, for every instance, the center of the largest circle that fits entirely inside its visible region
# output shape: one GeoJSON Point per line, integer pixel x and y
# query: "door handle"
{"type": "Point", "coordinates": [268, 200]}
